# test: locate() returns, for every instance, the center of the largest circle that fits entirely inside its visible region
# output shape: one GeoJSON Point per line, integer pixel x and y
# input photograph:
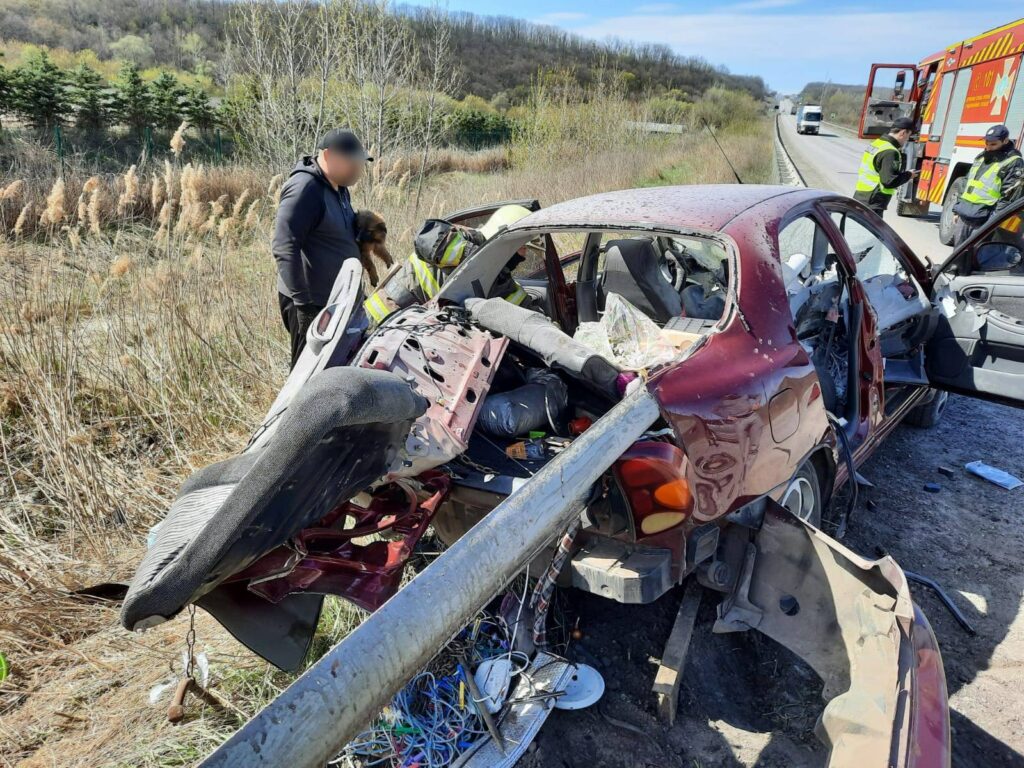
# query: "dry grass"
{"type": "Point", "coordinates": [137, 346]}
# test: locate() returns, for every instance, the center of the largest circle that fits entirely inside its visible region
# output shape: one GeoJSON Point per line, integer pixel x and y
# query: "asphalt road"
{"type": "Point", "coordinates": [830, 160]}
{"type": "Point", "coordinates": [969, 535]}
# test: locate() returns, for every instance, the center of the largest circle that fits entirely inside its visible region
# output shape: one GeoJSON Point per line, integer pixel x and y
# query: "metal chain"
{"type": "Point", "coordinates": [475, 465]}
{"type": "Point", "coordinates": [190, 643]}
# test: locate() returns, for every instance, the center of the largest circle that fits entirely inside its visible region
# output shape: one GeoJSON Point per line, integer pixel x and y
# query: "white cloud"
{"type": "Point", "coordinates": [790, 49]}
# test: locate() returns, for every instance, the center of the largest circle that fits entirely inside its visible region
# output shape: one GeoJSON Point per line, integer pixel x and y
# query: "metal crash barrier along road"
{"type": "Point", "coordinates": [338, 696]}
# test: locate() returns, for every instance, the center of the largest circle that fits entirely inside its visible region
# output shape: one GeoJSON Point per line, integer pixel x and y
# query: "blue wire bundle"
{"type": "Point", "coordinates": [433, 719]}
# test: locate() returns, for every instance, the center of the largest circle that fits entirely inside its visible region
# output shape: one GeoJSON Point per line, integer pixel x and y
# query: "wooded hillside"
{"type": "Point", "coordinates": [497, 56]}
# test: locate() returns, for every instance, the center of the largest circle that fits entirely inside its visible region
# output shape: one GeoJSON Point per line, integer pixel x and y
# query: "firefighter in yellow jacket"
{"type": "Point", "coordinates": [439, 248]}
{"type": "Point", "coordinates": [994, 183]}
{"type": "Point", "coordinates": [883, 168]}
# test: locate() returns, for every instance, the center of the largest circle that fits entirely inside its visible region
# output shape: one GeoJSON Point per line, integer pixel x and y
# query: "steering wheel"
{"type": "Point", "coordinates": [671, 266]}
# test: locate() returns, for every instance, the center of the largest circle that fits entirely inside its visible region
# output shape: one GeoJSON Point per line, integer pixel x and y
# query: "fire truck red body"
{"type": "Point", "coordinates": [954, 95]}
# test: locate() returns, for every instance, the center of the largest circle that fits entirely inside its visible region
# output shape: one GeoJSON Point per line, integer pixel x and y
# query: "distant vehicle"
{"type": "Point", "coordinates": [954, 95]}
{"type": "Point", "coordinates": [808, 119]}
{"type": "Point", "coordinates": [792, 109]}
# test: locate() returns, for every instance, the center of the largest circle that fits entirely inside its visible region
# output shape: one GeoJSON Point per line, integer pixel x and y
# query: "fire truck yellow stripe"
{"type": "Point", "coordinates": [1011, 25]}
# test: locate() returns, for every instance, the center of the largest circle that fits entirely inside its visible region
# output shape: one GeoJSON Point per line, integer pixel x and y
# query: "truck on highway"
{"type": "Point", "coordinates": [954, 95]}
{"type": "Point", "coordinates": [808, 119]}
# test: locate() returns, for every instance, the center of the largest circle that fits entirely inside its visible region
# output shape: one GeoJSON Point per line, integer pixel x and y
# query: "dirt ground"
{"type": "Point", "coordinates": [747, 702]}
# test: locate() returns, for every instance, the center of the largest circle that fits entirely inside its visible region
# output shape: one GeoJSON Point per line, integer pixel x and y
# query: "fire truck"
{"type": "Point", "coordinates": [954, 96]}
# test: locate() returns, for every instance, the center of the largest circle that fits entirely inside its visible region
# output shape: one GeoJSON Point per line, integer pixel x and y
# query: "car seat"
{"type": "Point", "coordinates": [632, 269]}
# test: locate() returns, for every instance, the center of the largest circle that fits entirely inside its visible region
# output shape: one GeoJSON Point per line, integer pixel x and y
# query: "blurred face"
{"type": "Point", "coordinates": [340, 169]}
{"type": "Point", "coordinates": [994, 145]}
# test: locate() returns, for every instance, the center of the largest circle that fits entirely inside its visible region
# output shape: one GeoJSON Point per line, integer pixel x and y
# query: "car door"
{"type": "Point", "coordinates": [978, 346]}
{"type": "Point", "coordinates": [894, 284]}
{"type": "Point", "coordinates": [474, 217]}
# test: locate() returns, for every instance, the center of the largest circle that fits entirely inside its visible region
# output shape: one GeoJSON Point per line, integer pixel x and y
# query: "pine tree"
{"type": "Point", "coordinates": [90, 97]}
{"type": "Point", "coordinates": [197, 109]}
{"type": "Point", "coordinates": [134, 99]}
{"type": "Point", "coordinates": [38, 92]}
{"type": "Point", "coordinates": [5, 92]}
{"type": "Point", "coordinates": [167, 101]}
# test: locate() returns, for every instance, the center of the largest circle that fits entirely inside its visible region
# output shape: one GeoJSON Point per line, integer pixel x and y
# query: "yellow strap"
{"type": "Point", "coordinates": [376, 308]}
{"type": "Point", "coordinates": [517, 296]}
{"type": "Point", "coordinates": [424, 277]}
{"type": "Point", "coordinates": [454, 251]}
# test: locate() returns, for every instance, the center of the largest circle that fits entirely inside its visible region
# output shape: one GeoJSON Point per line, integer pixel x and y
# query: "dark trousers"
{"type": "Point", "coordinates": [297, 318]}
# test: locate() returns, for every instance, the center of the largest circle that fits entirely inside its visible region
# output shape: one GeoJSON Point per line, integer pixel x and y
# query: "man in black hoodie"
{"type": "Point", "coordinates": [315, 230]}
{"type": "Point", "coordinates": [883, 168]}
{"type": "Point", "coordinates": [995, 181]}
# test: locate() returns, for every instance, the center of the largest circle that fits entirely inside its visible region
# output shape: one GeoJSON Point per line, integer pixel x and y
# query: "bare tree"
{"type": "Point", "coordinates": [440, 77]}
{"type": "Point", "coordinates": [283, 55]}
{"type": "Point", "coordinates": [380, 58]}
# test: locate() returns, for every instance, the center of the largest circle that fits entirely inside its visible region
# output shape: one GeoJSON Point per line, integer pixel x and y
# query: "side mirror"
{"type": "Point", "coordinates": [997, 257]}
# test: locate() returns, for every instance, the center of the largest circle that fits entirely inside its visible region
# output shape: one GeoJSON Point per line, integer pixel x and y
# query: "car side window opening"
{"type": "Point", "coordinates": [1001, 251]}
{"type": "Point", "coordinates": [819, 303]}
{"type": "Point", "coordinates": [666, 278]}
{"type": "Point", "coordinates": [873, 257]}
{"type": "Point", "coordinates": [900, 304]}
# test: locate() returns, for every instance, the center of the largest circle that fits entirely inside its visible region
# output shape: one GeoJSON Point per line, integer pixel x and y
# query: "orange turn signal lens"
{"type": "Point", "coordinates": [674, 494]}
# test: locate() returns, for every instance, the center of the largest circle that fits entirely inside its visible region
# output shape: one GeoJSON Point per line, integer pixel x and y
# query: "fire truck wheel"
{"type": "Point", "coordinates": [947, 222]}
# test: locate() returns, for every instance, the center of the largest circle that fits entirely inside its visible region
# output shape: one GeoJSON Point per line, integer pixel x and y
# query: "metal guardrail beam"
{"type": "Point", "coordinates": [338, 696]}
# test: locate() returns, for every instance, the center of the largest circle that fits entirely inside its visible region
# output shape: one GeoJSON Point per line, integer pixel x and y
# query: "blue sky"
{"type": "Point", "coordinates": [788, 42]}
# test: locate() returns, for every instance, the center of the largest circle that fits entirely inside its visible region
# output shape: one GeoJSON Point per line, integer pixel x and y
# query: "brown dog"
{"type": "Point", "coordinates": [371, 232]}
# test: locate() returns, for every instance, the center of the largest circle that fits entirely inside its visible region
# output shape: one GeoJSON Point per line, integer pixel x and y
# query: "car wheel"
{"type": "Point", "coordinates": [802, 496]}
{"type": "Point", "coordinates": [947, 222]}
{"type": "Point", "coordinates": [928, 414]}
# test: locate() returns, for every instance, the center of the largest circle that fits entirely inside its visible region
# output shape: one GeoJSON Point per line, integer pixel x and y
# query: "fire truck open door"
{"type": "Point", "coordinates": [886, 99]}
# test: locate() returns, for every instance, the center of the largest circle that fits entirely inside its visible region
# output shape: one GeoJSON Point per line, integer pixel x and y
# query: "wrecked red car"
{"type": "Point", "coordinates": [781, 332]}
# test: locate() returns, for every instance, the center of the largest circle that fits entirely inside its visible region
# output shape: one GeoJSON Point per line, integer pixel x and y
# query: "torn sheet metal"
{"type": "Point", "coordinates": [449, 362]}
{"type": "Point", "coordinates": [852, 620]}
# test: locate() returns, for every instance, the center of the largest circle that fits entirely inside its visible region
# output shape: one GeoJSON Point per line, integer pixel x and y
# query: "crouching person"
{"type": "Point", "coordinates": [439, 248]}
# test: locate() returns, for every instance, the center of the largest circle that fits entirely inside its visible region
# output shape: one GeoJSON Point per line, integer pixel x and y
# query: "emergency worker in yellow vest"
{"type": "Point", "coordinates": [883, 168]}
{"type": "Point", "coordinates": [995, 181]}
{"type": "Point", "coordinates": [439, 248]}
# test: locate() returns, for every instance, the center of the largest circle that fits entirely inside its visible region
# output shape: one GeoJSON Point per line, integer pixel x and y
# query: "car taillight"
{"type": "Point", "coordinates": [652, 479]}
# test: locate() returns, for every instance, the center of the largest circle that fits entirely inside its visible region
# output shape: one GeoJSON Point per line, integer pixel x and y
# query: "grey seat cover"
{"type": "Point", "coordinates": [546, 340]}
{"type": "Point", "coordinates": [339, 434]}
{"type": "Point", "coordinates": [632, 270]}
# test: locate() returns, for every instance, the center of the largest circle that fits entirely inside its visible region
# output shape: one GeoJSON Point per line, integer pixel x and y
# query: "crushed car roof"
{"type": "Point", "coordinates": [707, 207]}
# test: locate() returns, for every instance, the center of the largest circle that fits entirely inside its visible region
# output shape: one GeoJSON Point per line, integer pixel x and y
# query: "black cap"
{"type": "Point", "coordinates": [345, 142]}
{"type": "Point", "coordinates": [997, 133]}
{"type": "Point", "coordinates": [902, 124]}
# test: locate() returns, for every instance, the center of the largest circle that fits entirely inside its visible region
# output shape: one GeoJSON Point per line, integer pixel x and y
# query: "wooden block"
{"type": "Point", "coordinates": [673, 660]}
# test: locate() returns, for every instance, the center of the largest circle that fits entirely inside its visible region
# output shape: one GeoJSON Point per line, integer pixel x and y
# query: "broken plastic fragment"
{"type": "Point", "coordinates": [994, 475]}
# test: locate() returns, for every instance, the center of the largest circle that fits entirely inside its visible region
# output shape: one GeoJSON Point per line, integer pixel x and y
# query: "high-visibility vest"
{"type": "Point", "coordinates": [983, 183]}
{"type": "Point", "coordinates": [378, 308]}
{"type": "Point", "coordinates": [868, 178]}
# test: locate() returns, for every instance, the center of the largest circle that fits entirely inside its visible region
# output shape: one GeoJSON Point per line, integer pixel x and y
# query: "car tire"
{"type": "Point", "coordinates": [947, 221]}
{"type": "Point", "coordinates": [928, 414]}
{"type": "Point", "coordinates": [802, 496]}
